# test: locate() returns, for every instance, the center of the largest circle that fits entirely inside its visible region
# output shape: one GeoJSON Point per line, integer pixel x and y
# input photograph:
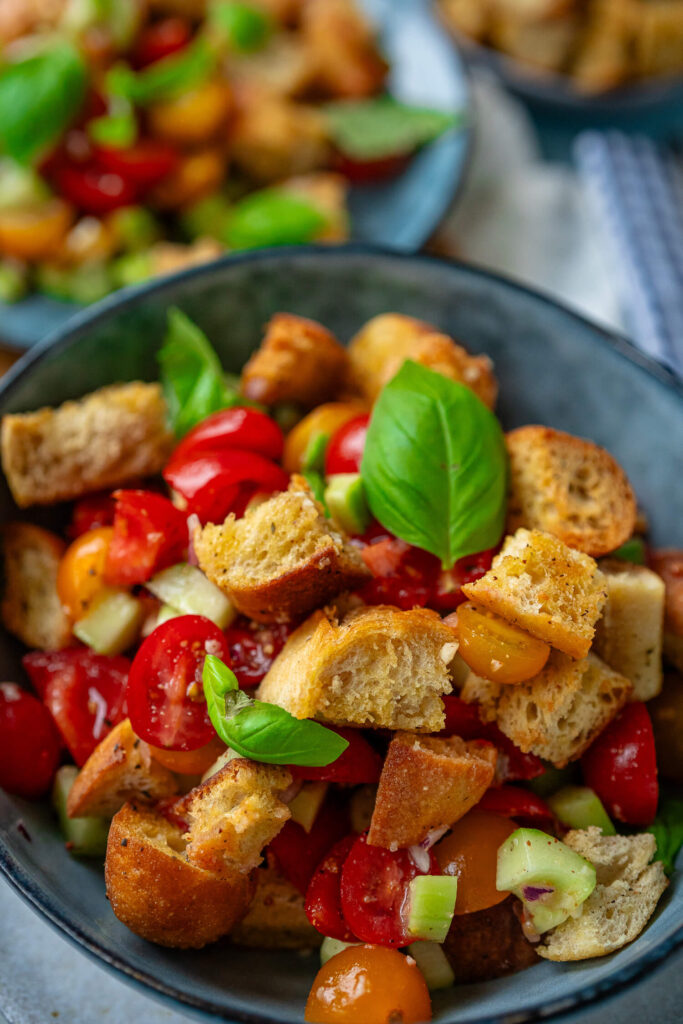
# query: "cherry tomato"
{"type": "Point", "coordinates": [190, 762]}
{"type": "Point", "coordinates": [374, 884]}
{"type": "Point", "coordinates": [325, 419]}
{"type": "Point", "coordinates": [81, 571]}
{"type": "Point", "coordinates": [447, 594]}
{"type": "Point", "coordinates": [93, 188]}
{"type": "Point", "coordinates": [497, 650]}
{"type": "Point", "coordinates": [516, 802]}
{"type": "Point", "coordinates": [463, 720]}
{"type": "Point", "coordinates": [621, 766]}
{"type": "Point", "coordinates": [360, 763]}
{"type": "Point", "coordinates": [402, 575]}
{"type": "Point", "coordinates": [239, 427]}
{"type": "Point", "coordinates": [345, 450]}
{"type": "Point", "coordinates": [368, 172]}
{"type": "Point", "coordinates": [166, 700]}
{"type": "Point", "coordinates": [298, 852]}
{"type": "Point", "coordinates": [35, 232]}
{"type": "Point", "coordinates": [323, 896]}
{"type": "Point", "coordinates": [143, 164]}
{"type": "Point", "coordinates": [470, 852]}
{"type": "Point", "coordinates": [149, 534]}
{"type": "Point", "coordinates": [211, 482]}
{"type": "Point", "coordinates": [91, 513]}
{"type": "Point", "coordinates": [29, 743]}
{"type": "Point", "coordinates": [194, 117]}
{"type": "Point", "coordinates": [84, 692]}
{"type": "Point", "coordinates": [161, 39]}
{"type": "Point", "coordinates": [369, 984]}
{"type": "Point", "coordinates": [199, 174]}
{"type": "Point", "coordinates": [253, 648]}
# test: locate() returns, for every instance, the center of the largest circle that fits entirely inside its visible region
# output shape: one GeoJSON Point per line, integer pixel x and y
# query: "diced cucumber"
{"type": "Point", "coordinates": [314, 456]}
{"type": "Point", "coordinates": [361, 806]}
{"type": "Point", "coordinates": [306, 804]}
{"type": "Point", "coordinates": [551, 880]}
{"type": "Point", "coordinates": [13, 281]}
{"type": "Point", "coordinates": [118, 130]}
{"type": "Point", "coordinates": [330, 947]}
{"type": "Point", "coordinates": [220, 762]}
{"type": "Point", "coordinates": [206, 218]}
{"type": "Point", "coordinates": [186, 588]}
{"type": "Point", "coordinates": [134, 227]}
{"type": "Point", "coordinates": [317, 485]}
{"type": "Point", "coordinates": [19, 185]}
{"type": "Point", "coordinates": [112, 623]}
{"type": "Point", "coordinates": [86, 837]}
{"type": "Point", "coordinates": [345, 498]}
{"type": "Point", "coordinates": [85, 284]}
{"type": "Point", "coordinates": [131, 268]}
{"type": "Point", "coordinates": [632, 550]}
{"type": "Point", "coordinates": [433, 962]}
{"type": "Point", "coordinates": [581, 807]}
{"type": "Point", "coordinates": [431, 902]}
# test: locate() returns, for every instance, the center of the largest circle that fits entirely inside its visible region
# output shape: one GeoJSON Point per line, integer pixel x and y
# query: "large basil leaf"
{"type": "Point", "coordinates": [435, 465]}
{"type": "Point", "coordinates": [166, 78]}
{"type": "Point", "coordinates": [383, 127]}
{"type": "Point", "coordinates": [667, 829]}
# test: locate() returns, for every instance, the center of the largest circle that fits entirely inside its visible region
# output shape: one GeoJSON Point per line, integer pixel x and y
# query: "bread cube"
{"type": "Point", "coordinates": [342, 45]}
{"type": "Point", "coordinates": [30, 607]}
{"type": "Point", "coordinates": [276, 918]}
{"type": "Point", "coordinates": [668, 564]}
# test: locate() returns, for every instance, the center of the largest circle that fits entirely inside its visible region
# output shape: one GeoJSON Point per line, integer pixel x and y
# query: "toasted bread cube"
{"type": "Point", "coordinates": [627, 891]}
{"type": "Point", "coordinates": [377, 667]}
{"type": "Point", "coordinates": [605, 58]}
{"type": "Point", "coordinates": [110, 437]}
{"type": "Point", "coordinates": [158, 894]}
{"type": "Point", "coordinates": [234, 814]}
{"type": "Point", "coordinates": [120, 768]}
{"type": "Point", "coordinates": [273, 137]}
{"type": "Point", "coordinates": [470, 17]}
{"type": "Point", "coordinates": [487, 944]}
{"type": "Point", "coordinates": [276, 918]}
{"type": "Point", "coordinates": [542, 35]}
{"type": "Point", "coordinates": [342, 45]}
{"type": "Point", "coordinates": [568, 487]}
{"type": "Point", "coordinates": [428, 783]}
{"type": "Point", "coordinates": [282, 559]}
{"type": "Point", "coordinates": [380, 348]}
{"type": "Point", "coordinates": [547, 588]}
{"type": "Point", "coordinates": [659, 38]}
{"type": "Point", "coordinates": [629, 634]}
{"type": "Point", "coordinates": [299, 361]}
{"type": "Point", "coordinates": [557, 714]}
{"type": "Point", "coordinates": [31, 608]}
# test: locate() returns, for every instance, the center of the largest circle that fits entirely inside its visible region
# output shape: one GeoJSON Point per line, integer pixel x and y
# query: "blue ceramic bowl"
{"type": "Point", "coordinates": [400, 214]}
{"type": "Point", "coordinates": [554, 368]}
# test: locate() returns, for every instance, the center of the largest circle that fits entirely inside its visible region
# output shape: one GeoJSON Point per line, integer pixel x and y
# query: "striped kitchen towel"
{"type": "Point", "coordinates": [636, 189]}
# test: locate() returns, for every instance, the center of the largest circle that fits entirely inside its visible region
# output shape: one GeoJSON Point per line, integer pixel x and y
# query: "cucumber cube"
{"type": "Point", "coordinates": [345, 498]}
{"type": "Point", "coordinates": [433, 962]}
{"type": "Point", "coordinates": [581, 807]}
{"type": "Point", "coordinates": [314, 456]}
{"type": "Point", "coordinates": [113, 621]}
{"type": "Point", "coordinates": [306, 804]}
{"type": "Point", "coordinates": [431, 902]}
{"type": "Point", "coordinates": [186, 588]}
{"type": "Point", "coordinates": [86, 837]}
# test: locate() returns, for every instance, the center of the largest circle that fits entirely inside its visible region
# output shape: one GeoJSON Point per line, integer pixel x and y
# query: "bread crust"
{"type": "Point", "coordinates": [158, 894]}
{"type": "Point", "coordinates": [342, 45]}
{"type": "Point", "coordinates": [30, 607]}
{"type": "Point", "coordinates": [488, 944]}
{"type": "Point", "coordinates": [428, 783]}
{"type": "Point", "coordinates": [276, 918]}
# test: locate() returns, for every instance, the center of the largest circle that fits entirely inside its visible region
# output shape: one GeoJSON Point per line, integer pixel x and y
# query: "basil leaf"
{"type": "Point", "coordinates": [383, 127]}
{"type": "Point", "coordinates": [166, 78]}
{"type": "Point", "coordinates": [264, 732]}
{"type": "Point", "coordinates": [435, 465]}
{"type": "Point", "coordinates": [667, 829]}
{"type": "Point", "coordinates": [316, 482]}
{"type": "Point", "coordinates": [191, 375]}
{"type": "Point", "coordinates": [632, 550]}
{"type": "Point", "coordinates": [272, 217]}
{"type": "Point", "coordinates": [39, 96]}
{"type": "Point", "coordinates": [242, 27]}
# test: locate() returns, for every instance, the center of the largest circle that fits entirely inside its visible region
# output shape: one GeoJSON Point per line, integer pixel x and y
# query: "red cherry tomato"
{"type": "Point", "coordinates": [323, 896]}
{"type": "Point", "coordinates": [143, 164]}
{"type": "Point", "coordinates": [211, 482]}
{"type": "Point", "coordinates": [447, 593]}
{"type": "Point", "coordinates": [29, 743]}
{"type": "Point", "coordinates": [345, 450]}
{"type": "Point", "coordinates": [367, 172]}
{"type": "Point", "coordinates": [403, 575]}
{"type": "Point", "coordinates": [298, 852]}
{"type": "Point", "coordinates": [91, 513]}
{"type": "Point", "coordinates": [253, 649]}
{"type": "Point", "coordinates": [463, 720]}
{"type": "Point", "coordinates": [374, 885]}
{"type": "Point", "coordinates": [149, 534]}
{"type": "Point", "coordinates": [84, 692]}
{"type": "Point", "coordinates": [161, 39]}
{"type": "Point", "coordinates": [93, 188]}
{"type": "Point", "coordinates": [166, 702]}
{"type": "Point", "coordinates": [244, 428]}
{"type": "Point", "coordinates": [516, 802]}
{"type": "Point", "coordinates": [360, 763]}
{"type": "Point", "coordinates": [621, 766]}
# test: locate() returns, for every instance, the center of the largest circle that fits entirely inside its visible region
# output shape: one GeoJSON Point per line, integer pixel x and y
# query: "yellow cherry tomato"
{"type": "Point", "coordinates": [193, 118]}
{"type": "Point", "coordinates": [326, 419]}
{"type": "Point", "coordinates": [35, 232]}
{"type": "Point", "coordinates": [80, 576]}
{"type": "Point", "coordinates": [470, 852]}
{"type": "Point", "coordinates": [497, 650]}
{"type": "Point", "coordinates": [198, 175]}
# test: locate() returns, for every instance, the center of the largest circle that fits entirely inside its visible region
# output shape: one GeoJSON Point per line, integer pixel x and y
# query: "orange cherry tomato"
{"type": "Point", "coordinates": [197, 175]}
{"type": "Point", "coordinates": [35, 232]}
{"type": "Point", "coordinates": [194, 117]}
{"type": "Point", "coordinates": [81, 571]}
{"type": "Point", "coordinates": [326, 419]}
{"type": "Point", "coordinates": [497, 650]}
{"type": "Point", "coordinates": [371, 984]}
{"type": "Point", "coordinates": [189, 762]}
{"type": "Point", "coordinates": [470, 852]}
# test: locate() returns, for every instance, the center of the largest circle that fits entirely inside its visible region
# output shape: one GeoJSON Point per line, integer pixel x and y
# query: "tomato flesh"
{"type": "Point", "coordinates": [149, 534]}
{"type": "Point", "coordinates": [345, 450]}
{"type": "Point", "coordinates": [161, 39]}
{"type": "Point", "coordinates": [81, 571]}
{"type": "Point", "coordinates": [93, 188]}
{"type": "Point", "coordinates": [323, 896]}
{"type": "Point", "coordinates": [298, 853]}
{"type": "Point", "coordinates": [402, 575]}
{"type": "Point", "coordinates": [517, 802]}
{"type": "Point", "coordinates": [470, 852]}
{"type": "Point", "coordinates": [29, 743]}
{"type": "Point", "coordinates": [463, 720]}
{"type": "Point", "coordinates": [211, 482]}
{"type": "Point", "coordinates": [360, 764]}
{"type": "Point", "coordinates": [253, 649]}
{"type": "Point", "coordinates": [621, 766]}
{"type": "Point", "coordinates": [497, 650]}
{"type": "Point", "coordinates": [239, 427]}
{"type": "Point", "coordinates": [143, 164]}
{"type": "Point", "coordinates": [447, 594]}
{"type": "Point", "coordinates": [91, 513]}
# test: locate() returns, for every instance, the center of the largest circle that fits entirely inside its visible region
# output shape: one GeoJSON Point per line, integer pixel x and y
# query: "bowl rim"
{"type": "Point", "coordinates": [11, 867]}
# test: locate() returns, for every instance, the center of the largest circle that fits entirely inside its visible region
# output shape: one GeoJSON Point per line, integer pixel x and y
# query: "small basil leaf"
{"type": "Point", "coordinates": [435, 465]}
{"type": "Point", "coordinates": [667, 829]}
{"type": "Point", "coordinates": [632, 550]}
{"type": "Point", "coordinates": [38, 98]}
{"type": "Point", "coordinates": [272, 217]}
{"type": "Point", "coordinates": [383, 127]}
{"type": "Point", "coordinates": [166, 78]}
{"type": "Point", "coordinates": [242, 27]}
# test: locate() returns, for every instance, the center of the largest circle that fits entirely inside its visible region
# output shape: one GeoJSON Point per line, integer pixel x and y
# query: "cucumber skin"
{"type": "Point", "coordinates": [85, 837]}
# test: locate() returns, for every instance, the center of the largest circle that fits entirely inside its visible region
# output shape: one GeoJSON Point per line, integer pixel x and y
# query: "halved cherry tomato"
{"type": "Point", "coordinates": [161, 39]}
{"type": "Point", "coordinates": [470, 852]}
{"type": "Point", "coordinates": [211, 482]}
{"type": "Point", "coordinates": [190, 762]}
{"type": "Point", "coordinates": [239, 427]}
{"type": "Point", "coordinates": [447, 594]}
{"type": "Point", "coordinates": [369, 984]}
{"type": "Point", "coordinates": [323, 896]}
{"type": "Point", "coordinates": [84, 692]}
{"type": "Point", "coordinates": [253, 648]}
{"type": "Point", "coordinates": [360, 763]}
{"type": "Point", "coordinates": [621, 766]}
{"type": "Point", "coordinates": [298, 852]}
{"type": "Point", "coordinates": [93, 188]}
{"type": "Point", "coordinates": [516, 802]}
{"type": "Point", "coordinates": [463, 720]}
{"type": "Point", "coordinates": [29, 743]}
{"type": "Point", "coordinates": [345, 450]}
{"type": "Point", "coordinates": [81, 571]}
{"type": "Point", "coordinates": [149, 534]}
{"type": "Point", "coordinates": [368, 172]}
{"type": "Point", "coordinates": [91, 513]}
{"type": "Point", "coordinates": [325, 419]}
{"type": "Point", "coordinates": [496, 649]}
{"type": "Point", "coordinates": [35, 232]}
{"type": "Point", "coordinates": [143, 164]}
{"type": "Point", "coordinates": [374, 885]}
{"type": "Point", "coordinates": [194, 117]}
{"type": "Point", "coordinates": [166, 702]}
{"type": "Point", "coordinates": [403, 575]}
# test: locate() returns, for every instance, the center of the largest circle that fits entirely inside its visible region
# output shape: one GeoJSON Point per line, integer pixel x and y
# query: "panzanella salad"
{"type": "Point", "coordinates": [324, 658]}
